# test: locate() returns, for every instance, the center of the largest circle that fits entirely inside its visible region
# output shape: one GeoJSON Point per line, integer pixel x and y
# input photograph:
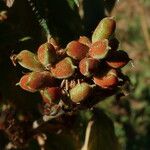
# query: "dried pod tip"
{"type": "Point", "coordinates": [51, 94]}
{"type": "Point", "coordinates": [54, 42]}
{"type": "Point", "coordinates": [117, 59]}
{"type": "Point", "coordinates": [29, 61]}
{"type": "Point", "coordinates": [108, 81]}
{"type": "Point", "coordinates": [85, 40]}
{"type": "Point", "coordinates": [46, 54]}
{"type": "Point", "coordinates": [13, 59]}
{"type": "Point", "coordinates": [104, 30]}
{"type": "Point", "coordinates": [63, 69]}
{"type": "Point", "coordinates": [99, 49]}
{"type": "Point", "coordinates": [80, 92]}
{"type": "Point", "coordinates": [76, 50]}
{"type": "Point", "coordinates": [88, 66]}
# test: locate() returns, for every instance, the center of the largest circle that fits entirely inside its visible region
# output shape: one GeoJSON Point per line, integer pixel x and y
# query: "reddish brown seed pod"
{"type": "Point", "coordinates": [85, 40]}
{"type": "Point", "coordinates": [104, 30]}
{"type": "Point", "coordinates": [109, 80]}
{"type": "Point", "coordinates": [28, 60]}
{"type": "Point", "coordinates": [88, 66]}
{"type": "Point", "coordinates": [99, 49]}
{"type": "Point", "coordinates": [117, 59]}
{"type": "Point", "coordinates": [23, 83]}
{"type": "Point", "coordinates": [46, 54]}
{"type": "Point", "coordinates": [63, 69]}
{"type": "Point", "coordinates": [35, 81]}
{"type": "Point", "coordinates": [80, 92]}
{"type": "Point", "coordinates": [77, 50]}
{"type": "Point", "coordinates": [51, 94]}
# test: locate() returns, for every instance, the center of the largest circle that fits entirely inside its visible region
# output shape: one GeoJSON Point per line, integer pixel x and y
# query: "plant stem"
{"type": "Point", "coordinates": [45, 119]}
{"type": "Point", "coordinates": [87, 136]}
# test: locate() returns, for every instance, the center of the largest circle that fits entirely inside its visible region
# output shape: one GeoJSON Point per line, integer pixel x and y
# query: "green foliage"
{"type": "Point", "coordinates": [101, 132]}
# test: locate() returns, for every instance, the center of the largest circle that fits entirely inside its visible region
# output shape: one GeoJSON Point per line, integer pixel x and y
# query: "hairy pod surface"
{"type": "Point", "coordinates": [46, 54]}
{"type": "Point", "coordinates": [104, 30]}
{"type": "Point", "coordinates": [51, 94]}
{"type": "Point", "coordinates": [63, 69]}
{"type": "Point", "coordinates": [80, 92]}
{"type": "Point", "coordinates": [29, 61]}
{"type": "Point", "coordinates": [77, 50]}
{"type": "Point", "coordinates": [99, 49]}
{"type": "Point", "coordinates": [36, 80]}
{"type": "Point", "coordinates": [117, 59]}
{"type": "Point", "coordinates": [88, 66]}
{"type": "Point", "coordinates": [109, 80]}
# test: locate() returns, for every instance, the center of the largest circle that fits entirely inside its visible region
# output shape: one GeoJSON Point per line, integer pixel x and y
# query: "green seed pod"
{"type": "Point", "coordinates": [29, 61]}
{"type": "Point", "coordinates": [104, 30]}
{"type": "Point", "coordinates": [51, 94]}
{"type": "Point", "coordinates": [46, 54]}
{"type": "Point", "coordinates": [76, 50]}
{"type": "Point", "coordinates": [35, 81]}
{"type": "Point", "coordinates": [80, 92]}
{"type": "Point", "coordinates": [88, 66]}
{"type": "Point", "coordinates": [63, 69]}
{"type": "Point", "coordinates": [99, 49]}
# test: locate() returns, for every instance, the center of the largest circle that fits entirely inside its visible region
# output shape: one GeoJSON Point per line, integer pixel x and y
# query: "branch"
{"type": "Point", "coordinates": [45, 119]}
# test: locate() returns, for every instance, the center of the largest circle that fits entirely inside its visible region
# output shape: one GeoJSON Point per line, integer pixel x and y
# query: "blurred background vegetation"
{"type": "Point", "coordinates": [19, 29]}
{"type": "Point", "coordinates": [132, 113]}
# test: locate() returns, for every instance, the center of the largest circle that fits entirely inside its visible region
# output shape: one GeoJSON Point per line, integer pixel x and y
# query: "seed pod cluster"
{"type": "Point", "coordinates": [77, 72]}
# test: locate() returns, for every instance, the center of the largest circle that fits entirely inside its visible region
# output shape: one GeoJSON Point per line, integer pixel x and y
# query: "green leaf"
{"type": "Point", "coordinates": [72, 3]}
{"type": "Point", "coordinates": [76, 2]}
{"type": "Point", "coordinates": [100, 133]}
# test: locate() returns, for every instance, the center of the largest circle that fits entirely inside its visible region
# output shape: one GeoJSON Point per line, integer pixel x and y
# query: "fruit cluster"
{"type": "Point", "coordinates": [78, 72]}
